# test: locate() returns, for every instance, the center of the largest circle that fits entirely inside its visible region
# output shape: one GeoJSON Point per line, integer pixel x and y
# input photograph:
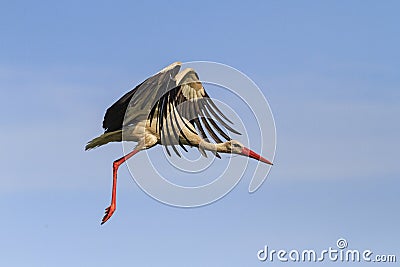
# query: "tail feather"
{"type": "Point", "coordinates": [103, 139]}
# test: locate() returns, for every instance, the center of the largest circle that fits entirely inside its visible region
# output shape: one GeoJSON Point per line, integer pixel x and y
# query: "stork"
{"type": "Point", "coordinates": [170, 108]}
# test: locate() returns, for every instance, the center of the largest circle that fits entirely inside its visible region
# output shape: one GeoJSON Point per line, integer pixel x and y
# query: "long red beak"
{"type": "Point", "coordinates": [250, 153]}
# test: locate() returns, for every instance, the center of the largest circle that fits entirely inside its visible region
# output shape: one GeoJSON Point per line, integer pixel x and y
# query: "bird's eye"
{"type": "Point", "coordinates": [236, 145]}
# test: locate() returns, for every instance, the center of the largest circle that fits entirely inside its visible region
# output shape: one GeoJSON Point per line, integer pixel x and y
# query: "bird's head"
{"type": "Point", "coordinates": [236, 147]}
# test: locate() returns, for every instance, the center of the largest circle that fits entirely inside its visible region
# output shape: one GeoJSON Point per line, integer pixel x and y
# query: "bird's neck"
{"type": "Point", "coordinates": [220, 147]}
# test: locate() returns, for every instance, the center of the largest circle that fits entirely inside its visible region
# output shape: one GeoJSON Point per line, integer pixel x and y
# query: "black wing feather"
{"type": "Point", "coordinates": [114, 117]}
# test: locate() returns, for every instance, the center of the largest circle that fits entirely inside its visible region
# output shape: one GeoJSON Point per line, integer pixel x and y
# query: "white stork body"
{"type": "Point", "coordinates": [170, 108]}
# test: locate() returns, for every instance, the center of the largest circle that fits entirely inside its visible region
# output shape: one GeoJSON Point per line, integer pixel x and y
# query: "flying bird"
{"type": "Point", "coordinates": [172, 109]}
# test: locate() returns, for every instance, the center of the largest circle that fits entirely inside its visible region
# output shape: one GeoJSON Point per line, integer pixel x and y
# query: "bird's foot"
{"type": "Point", "coordinates": [109, 212]}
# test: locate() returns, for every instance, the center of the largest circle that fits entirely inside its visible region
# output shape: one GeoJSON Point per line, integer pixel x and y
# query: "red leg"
{"type": "Point", "coordinates": [110, 210]}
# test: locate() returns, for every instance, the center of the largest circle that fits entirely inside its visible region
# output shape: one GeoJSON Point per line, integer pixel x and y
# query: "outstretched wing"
{"type": "Point", "coordinates": [188, 101]}
{"type": "Point", "coordinates": [171, 100]}
{"type": "Point", "coordinates": [137, 103]}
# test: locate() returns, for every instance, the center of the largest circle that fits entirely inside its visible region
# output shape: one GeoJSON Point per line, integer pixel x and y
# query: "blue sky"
{"type": "Point", "coordinates": [328, 69]}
